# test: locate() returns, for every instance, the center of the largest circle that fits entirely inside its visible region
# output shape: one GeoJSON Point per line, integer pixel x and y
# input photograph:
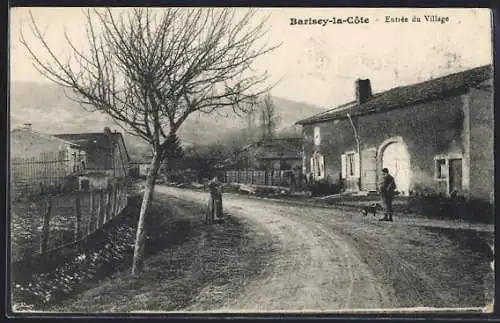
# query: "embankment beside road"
{"type": "Point", "coordinates": [187, 262]}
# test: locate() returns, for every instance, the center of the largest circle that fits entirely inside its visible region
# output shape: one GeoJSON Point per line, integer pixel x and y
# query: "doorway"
{"type": "Point", "coordinates": [396, 159]}
{"type": "Point", "coordinates": [455, 175]}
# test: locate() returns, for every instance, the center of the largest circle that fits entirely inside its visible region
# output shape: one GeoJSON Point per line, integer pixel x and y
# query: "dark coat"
{"type": "Point", "coordinates": [388, 186]}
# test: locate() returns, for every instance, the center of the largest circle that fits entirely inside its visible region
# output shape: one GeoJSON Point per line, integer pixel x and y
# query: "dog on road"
{"type": "Point", "coordinates": [372, 208]}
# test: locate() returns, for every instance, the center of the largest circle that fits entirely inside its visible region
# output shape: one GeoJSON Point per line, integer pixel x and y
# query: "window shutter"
{"type": "Point", "coordinates": [343, 165]}
{"type": "Point", "coordinates": [356, 165]}
{"type": "Point", "coordinates": [322, 166]}
{"type": "Point", "coordinates": [312, 167]}
{"type": "Point", "coordinates": [317, 136]}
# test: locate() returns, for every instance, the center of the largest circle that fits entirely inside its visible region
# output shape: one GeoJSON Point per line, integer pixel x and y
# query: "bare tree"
{"type": "Point", "coordinates": [269, 118]}
{"type": "Point", "coordinates": [149, 69]}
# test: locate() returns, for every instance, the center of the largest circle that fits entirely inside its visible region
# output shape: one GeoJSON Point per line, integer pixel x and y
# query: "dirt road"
{"type": "Point", "coordinates": [328, 259]}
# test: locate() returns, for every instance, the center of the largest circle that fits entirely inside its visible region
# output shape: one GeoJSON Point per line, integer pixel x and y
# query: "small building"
{"type": "Point", "coordinates": [138, 169]}
{"type": "Point", "coordinates": [40, 160]}
{"type": "Point", "coordinates": [106, 156]}
{"type": "Point", "coordinates": [141, 168]}
{"type": "Point", "coordinates": [434, 137]}
{"type": "Point", "coordinates": [273, 154]}
{"type": "Point", "coordinates": [270, 162]}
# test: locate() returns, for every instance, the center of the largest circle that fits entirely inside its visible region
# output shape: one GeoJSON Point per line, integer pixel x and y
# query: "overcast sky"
{"type": "Point", "coordinates": [319, 64]}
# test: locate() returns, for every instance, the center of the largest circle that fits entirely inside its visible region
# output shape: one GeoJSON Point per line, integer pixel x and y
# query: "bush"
{"type": "Point", "coordinates": [322, 188]}
{"type": "Point", "coordinates": [454, 207]}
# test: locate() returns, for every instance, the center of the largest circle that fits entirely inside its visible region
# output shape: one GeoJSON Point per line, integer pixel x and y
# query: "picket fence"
{"type": "Point", "coordinates": [259, 177]}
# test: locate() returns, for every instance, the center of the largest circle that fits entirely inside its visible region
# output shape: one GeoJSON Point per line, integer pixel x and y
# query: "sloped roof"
{"type": "Point", "coordinates": [46, 136]}
{"type": "Point", "coordinates": [28, 143]}
{"type": "Point", "coordinates": [93, 141]}
{"type": "Point", "coordinates": [403, 96]}
{"type": "Point", "coordinates": [276, 148]}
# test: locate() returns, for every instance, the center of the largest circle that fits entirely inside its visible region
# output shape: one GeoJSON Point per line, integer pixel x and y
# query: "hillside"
{"type": "Point", "coordinates": [49, 110]}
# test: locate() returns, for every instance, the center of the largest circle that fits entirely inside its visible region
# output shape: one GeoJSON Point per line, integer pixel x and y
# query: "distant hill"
{"type": "Point", "coordinates": [49, 110]}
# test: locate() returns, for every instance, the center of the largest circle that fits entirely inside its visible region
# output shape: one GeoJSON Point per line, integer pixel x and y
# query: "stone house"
{"type": "Point", "coordinates": [434, 137]}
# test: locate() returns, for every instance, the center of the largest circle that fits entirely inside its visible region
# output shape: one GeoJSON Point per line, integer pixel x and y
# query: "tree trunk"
{"type": "Point", "coordinates": [78, 215]}
{"type": "Point", "coordinates": [138, 260]}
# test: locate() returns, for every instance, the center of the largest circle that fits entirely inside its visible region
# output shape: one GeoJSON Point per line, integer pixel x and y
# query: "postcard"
{"type": "Point", "coordinates": [251, 160]}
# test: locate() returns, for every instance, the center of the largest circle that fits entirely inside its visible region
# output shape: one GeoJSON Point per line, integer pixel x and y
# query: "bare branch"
{"type": "Point", "coordinates": [150, 69]}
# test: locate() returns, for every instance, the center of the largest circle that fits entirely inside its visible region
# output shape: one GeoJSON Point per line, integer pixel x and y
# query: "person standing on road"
{"type": "Point", "coordinates": [215, 198]}
{"type": "Point", "coordinates": [387, 190]}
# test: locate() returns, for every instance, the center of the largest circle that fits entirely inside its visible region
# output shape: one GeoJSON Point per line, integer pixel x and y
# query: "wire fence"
{"type": "Point", "coordinates": [52, 221]}
{"type": "Point", "coordinates": [30, 176]}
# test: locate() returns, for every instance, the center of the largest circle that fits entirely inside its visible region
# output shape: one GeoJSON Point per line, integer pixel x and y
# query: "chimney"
{"type": "Point", "coordinates": [27, 126]}
{"type": "Point", "coordinates": [363, 90]}
{"type": "Point", "coordinates": [107, 131]}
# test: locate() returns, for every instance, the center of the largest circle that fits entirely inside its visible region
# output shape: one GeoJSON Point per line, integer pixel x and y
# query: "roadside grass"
{"type": "Point", "coordinates": [187, 262]}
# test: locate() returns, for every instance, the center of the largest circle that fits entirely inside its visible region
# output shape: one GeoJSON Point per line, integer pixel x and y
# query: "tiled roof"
{"type": "Point", "coordinates": [403, 96]}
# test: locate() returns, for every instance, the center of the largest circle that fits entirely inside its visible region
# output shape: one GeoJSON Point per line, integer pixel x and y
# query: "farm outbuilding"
{"type": "Point", "coordinates": [41, 161]}
{"type": "Point", "coordinates": [106, 156]}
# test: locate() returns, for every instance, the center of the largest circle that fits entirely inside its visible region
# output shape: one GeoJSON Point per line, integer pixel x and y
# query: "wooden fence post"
{"type": "Point", "coordinates": [97, 202]}
{"type": "Point", "coordinates": [108, 202]}
{"type": "Point", "coordinates": [101, 209]}
{"type": "Point", "coordinates": [123, 196]}
{"type": "Point", "coordinates": [46, 225]}
{"type": "Point", "coordinates": [78, 215]}
{"type": "Point", "coordinates": [93, 220]}
{"type": "Point", "coordinates": [116, 194]}
{"type": "Point", "coordinates": [115, 187]}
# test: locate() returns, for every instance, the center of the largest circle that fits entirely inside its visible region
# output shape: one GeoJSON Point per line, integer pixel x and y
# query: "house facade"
{"type": "Point", "coordinates": [106, 156]}
{"type": "Point", "coordinates": [40, 160]}
{"type": "Point", "coordinates": [434, 137]}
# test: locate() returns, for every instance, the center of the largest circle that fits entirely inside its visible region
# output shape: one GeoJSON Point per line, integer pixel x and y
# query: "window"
{"type": "Point", "coordinates": [317, 166]}
{"type": "Point", "coordinates": [317, 136]}
{"type": "Point", "coordinates": [84, 184]}
{"type": "Point", "coordinates": [349, 165]}
{"type": "Point", "coordinates": [441, 169]}
{"type": "Point", "coordinates": [448, 172]}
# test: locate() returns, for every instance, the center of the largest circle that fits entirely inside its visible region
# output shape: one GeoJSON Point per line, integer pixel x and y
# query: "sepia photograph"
{"type": "Point", "coordinates": [250, 160]}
